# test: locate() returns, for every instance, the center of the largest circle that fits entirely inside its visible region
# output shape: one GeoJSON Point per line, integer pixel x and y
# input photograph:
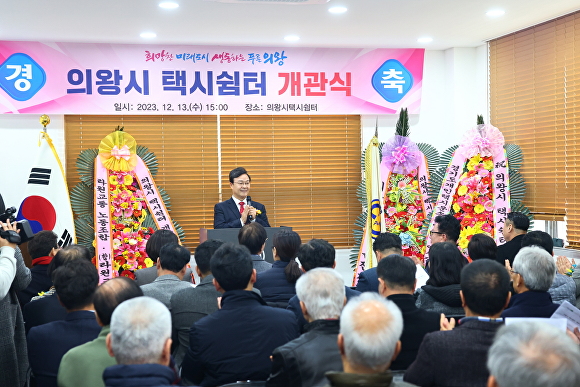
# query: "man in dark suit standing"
{"type": "Point", "coordinates": [235, 342]}
{"type": "Point", "coordinates": [397, 283]}
{"type": "Point", "coordinates": [239, 209]}
{"type": "Point", "coordinates": [516, 226]}
{"type": "Point", "coordinates": [75, 283]}
{"type": "Point", "coordinates": [457, 357]}
{"type": "Point", "coordinates": [385, 244]}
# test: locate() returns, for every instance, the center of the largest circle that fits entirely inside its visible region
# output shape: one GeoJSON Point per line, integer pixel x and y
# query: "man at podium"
{"type": "Point", "coordinates": [239, 209]}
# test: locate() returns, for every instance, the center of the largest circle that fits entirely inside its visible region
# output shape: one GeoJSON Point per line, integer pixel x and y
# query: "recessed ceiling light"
{"type": "Point", "coordinates": [425, 40]}
{"type": "Point", "coordinates": [495, 13]}
{"type": "Point", "coordinates": [148, 35]}
{"type": "Point", "coordinates": [292, 38]}
{"type": "Point", "coordinates": [337, 9]}
{"type": "Point", "coordinates": [168, 5]}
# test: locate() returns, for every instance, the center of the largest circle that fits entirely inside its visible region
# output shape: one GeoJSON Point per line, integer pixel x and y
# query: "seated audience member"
{"type": "Point", "coordinates": [75, 284]}
{"type": "Point", "coordinates": [171, 266]}
{"type": "Point", "coordinates": [277, 284]}
{"type": "Point", "coordinates": [305, 360]}
{"type": "Point", "coordinates": [140, 341]}
{"type": "Point", "coordinates": [533, 354]}
{"type": "Point", "coordinates": [397, 283]}
{"type": "Point", "coordinates": [385, 244]}
{"type": "Point", "coordinates": [516, 226]}
{"type": "Point", "coordinates": [254, 236]}
{"type": "Point", "coordinates": [315, 253]}
{"type": "Point", "coordinates": [532, 275]}
{"type": "Point", "coordinates": [14, 276]}
{"type": "Point", "coordinates": [47, 308]}
{"type": "Point", "coordinates": [441, 293]}
{"type": "Point", "coordinates": [457, 357]}
{"type": "Point", "coordinates": [235, 342]}
{"type": "Point", "coordinates": [41, 248]}
{"type": "Point", "coordinates": [370, 327]}
{"type": "Point", "coordinates": [154, 244]}
{"type": "Point", "coordinates": [482, 246]}
{"type": "Point", "coordinates": [84, 365]}
{"type": "Point", "coordinates": [191, 304]}
{"type": "Point", "coordinates": [563, 288]}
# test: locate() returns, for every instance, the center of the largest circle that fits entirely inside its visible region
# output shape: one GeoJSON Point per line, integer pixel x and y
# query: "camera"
{"type": "Point", "coordinates": [25, 233]}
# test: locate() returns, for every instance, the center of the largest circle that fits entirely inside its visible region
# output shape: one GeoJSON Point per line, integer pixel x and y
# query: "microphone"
{"type": "Point", "coordinates": [249, 200]}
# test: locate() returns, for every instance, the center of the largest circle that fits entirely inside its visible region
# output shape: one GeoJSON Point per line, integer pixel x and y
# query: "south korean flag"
{"type": "Point", "coordinates": [46, 203]}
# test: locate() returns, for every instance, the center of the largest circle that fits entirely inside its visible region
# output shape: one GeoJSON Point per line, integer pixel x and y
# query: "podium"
{"type": "Point", "coordinates": [231, 235]}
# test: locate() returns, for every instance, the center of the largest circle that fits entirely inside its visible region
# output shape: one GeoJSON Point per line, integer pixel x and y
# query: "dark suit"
{"type": "Point", "coordinates": [227, 214]}
{"type": "Point", "coordinates": [509, 249]}
{"type": "Point", "coordinates": [368, 281]}
{"type": "Point", "coordinates": [43, 310]}
{"type": "Point", "coordinates": [235, 342]}
{"type": "Point", "coordinates": [273, 284]}
{"type": "Point", "coordinates": [189, 306]}
{"type": "Point", "coordinates": [294, 306]}
{"type": "Point", "coordinates": [304, 361]}
{"type": "Point", "coordinates": [40, 282]}
{"type": "Point", "coordinates": [416, 324]}
{"type": "Point", "coordinates": [454, 358]}
{"type": "Point", "coordinates": [530, 304]}
{"type": "Point", "coordinates": [48, 343]}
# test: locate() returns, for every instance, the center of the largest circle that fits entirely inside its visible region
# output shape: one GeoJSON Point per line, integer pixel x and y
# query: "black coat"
{"type": "Point", "coordinates": [304, 361]}
{"type": "Point", "coordinates": [235, 342]}
{"type": "Point", "coordinates": [510, 249]}
{"type": "Point", "coordinates": [40, 282]}
{"type": "Point", "coordinates": [416, 324]}
{"type": "Point", "coordinates": [273, 285]}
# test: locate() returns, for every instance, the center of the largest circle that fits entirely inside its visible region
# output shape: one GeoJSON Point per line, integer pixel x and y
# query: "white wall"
{"type": "Point", "coordinates": [454, 93]}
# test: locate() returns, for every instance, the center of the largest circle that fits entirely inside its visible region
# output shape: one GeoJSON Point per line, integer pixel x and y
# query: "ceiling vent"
{"type": "Point", "coordinates": [293, 2]}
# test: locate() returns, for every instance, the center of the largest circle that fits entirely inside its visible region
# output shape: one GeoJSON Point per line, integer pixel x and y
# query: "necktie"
{"type": "Point", "coordinates": [241, 207]}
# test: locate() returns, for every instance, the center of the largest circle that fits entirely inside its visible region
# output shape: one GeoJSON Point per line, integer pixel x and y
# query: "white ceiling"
{"type": "Point", "coordinates": [368, 23]}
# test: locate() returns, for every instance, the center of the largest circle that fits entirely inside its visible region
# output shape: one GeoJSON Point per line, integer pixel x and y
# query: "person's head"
{"type": "Point", "coordinates": [316, 253]}
{"type": "Point", "coordinates": [370, 328]}
{"type": "Point", "coordinates": [516, 223]}
{"type": "Point", "coordinates": [240, 183]}
{"type": "Point", "coordinates": [533, 354]}
{"type": "Point", "coordinates": [75, 283]}
{"type": "Point", "coordinates": [533, 269]}
{"type": "Point", "coordinates": [253, 236]}
{"type": "Point", "coordinates": [44, 243]}
{"type": "Point", "coordinates": [445, 229]}
{"type": "Point", "coordinates": [540, 239]}
{"type": "Point", "coordinates": [387, 243]}
{"type": "Point", "coordinates": [321, 294]}
{"type": "Point", "coordinates": [485, 287]}
{"type": "Point", "coordinates": [445, 264]}
{"type": "Point", "coordinates": [66, 255]}
{"type": "Point", "coordinates": [232, 268]}
{"type": "Point", "coordinates": [481, 246]}
{"type": "Point", "coordinates": [203, 253]}
{"type": "Point", "coordinates": [157, 240]}
{"type": "Point", "coordinates": [396, 275]}
{"type": "Point", "coordinates": [285, 247]}
{"type": "Point", "coordinates": [140, 332]}
{"type": "Point", "coordinates": [174, 258]}
{"type": "Point", "coordinates": [112, 293]}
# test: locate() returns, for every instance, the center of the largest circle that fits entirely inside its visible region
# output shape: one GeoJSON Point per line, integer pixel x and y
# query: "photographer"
{"type": "Point", "coordinates": [14, 276]}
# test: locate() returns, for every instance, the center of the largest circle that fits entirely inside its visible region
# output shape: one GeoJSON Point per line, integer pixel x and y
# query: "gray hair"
{"type": "Point", "coordinates": [536, 266]}
{"type": "Point", "coordinates": [371, 326]}
{"type": "Point", "coordinates": [139, 329]}
{"type": "Point", "coordinates": [530, 354]}
{"type": "Point", "coordinates": [322, 291]}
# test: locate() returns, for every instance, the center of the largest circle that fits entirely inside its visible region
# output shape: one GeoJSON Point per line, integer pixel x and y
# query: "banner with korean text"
{"type": "Point", "coordinates": [89, 78]}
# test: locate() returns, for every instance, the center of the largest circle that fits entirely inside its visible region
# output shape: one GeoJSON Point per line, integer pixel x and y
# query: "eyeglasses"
{"type": "Point", "coordinates": [242, 183]}
{"type": "Point", "coordinates": [436, 232]}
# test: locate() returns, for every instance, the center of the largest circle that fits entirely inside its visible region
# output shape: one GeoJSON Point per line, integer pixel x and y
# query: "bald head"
{"type": "Point", "coordinates": [370, 327]}
{"type": "Point", "coordinates": [110, 294]}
